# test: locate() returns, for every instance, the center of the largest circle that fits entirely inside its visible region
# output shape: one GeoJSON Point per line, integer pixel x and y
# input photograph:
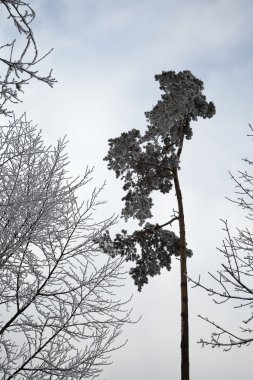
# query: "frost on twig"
{"type": "Point", "coordinates": [19, 65]}
{"type": "Point", "coordinates": [59, 316]}
{"type": "Point", "coordinates": [233, 282]}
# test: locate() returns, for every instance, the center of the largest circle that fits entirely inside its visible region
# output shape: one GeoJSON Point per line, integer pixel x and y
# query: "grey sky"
{"type": "Point", "coordinates": [106, 55]}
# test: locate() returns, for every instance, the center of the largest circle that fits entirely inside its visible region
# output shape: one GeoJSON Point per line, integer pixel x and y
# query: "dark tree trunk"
{"type": "Point", "coordinates": [184, 291]}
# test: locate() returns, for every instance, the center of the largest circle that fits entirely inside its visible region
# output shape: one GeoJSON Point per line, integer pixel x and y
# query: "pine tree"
{"type": "Point", "coordinates": [150, 162]}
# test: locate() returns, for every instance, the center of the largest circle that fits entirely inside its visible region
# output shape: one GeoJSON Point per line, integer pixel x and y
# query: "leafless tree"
{"type": "Point", "coordinates": [19, 66]}
{"type": "Point", "coordinates": [234, 281]}
{"type": "Point", "coordinates": [59, 314]}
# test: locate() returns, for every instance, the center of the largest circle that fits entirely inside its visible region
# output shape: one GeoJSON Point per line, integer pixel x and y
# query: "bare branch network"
{"type": "Point", "coordinates": [234, 279]}
{"type": "Point", "coordinates": [19, 67]}
{"type": "Point", "coordinates": [59, 314]}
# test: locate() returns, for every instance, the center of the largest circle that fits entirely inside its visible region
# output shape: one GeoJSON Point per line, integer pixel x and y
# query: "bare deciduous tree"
{"type": "Point", "coordinates": [18, 66]}
{"type": "Point", "coordinates": [59, 315]}
{"type": "Point", "coordinates": [234, 281]}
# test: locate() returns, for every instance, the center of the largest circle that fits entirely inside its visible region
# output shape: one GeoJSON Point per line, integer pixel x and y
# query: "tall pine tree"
{"type": "Point", "coordinates": [151, 162]}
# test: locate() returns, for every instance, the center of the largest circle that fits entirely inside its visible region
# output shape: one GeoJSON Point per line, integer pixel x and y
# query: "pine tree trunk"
{"type": "Point", "coordinates": [184, 291]}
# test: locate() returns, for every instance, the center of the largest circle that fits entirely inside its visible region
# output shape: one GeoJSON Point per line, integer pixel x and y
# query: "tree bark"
{"type": "Point", "coordinates": [183, 286]}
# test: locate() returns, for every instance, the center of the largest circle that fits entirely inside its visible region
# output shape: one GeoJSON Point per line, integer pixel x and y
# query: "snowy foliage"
{"type": "Point", "coordinates": [181, 102]}
{"type": "Point", "coordinates": [146, 164]}
{"type": "Point", "coordinates": [156, 245]}
{"type": "Point", "coordinates": [59, 316]}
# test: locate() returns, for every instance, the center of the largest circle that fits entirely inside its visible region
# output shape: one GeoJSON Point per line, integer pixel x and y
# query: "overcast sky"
{"type": "Point", "coordinates": [106, 53]}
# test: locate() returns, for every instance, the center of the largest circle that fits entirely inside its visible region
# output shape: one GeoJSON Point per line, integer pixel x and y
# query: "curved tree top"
{"type": "Point", "coordinates": [145, 163]}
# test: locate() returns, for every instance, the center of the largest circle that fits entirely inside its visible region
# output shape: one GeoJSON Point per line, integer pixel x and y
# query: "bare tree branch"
{"type": "Point", "coordinates": [60, 317]}
{"type": "Point", "coordinates": [234, 280]}
{"type": "Point", "coordinates": [19, 68]}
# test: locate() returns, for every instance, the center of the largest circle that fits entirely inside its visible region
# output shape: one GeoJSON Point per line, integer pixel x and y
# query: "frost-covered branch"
{"type": "Point", "coordinates": [60, 317]}
{"type": "Point", "coordinates": [18, 65]}
{"type": "Point", "coordinates": [233, 282]}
